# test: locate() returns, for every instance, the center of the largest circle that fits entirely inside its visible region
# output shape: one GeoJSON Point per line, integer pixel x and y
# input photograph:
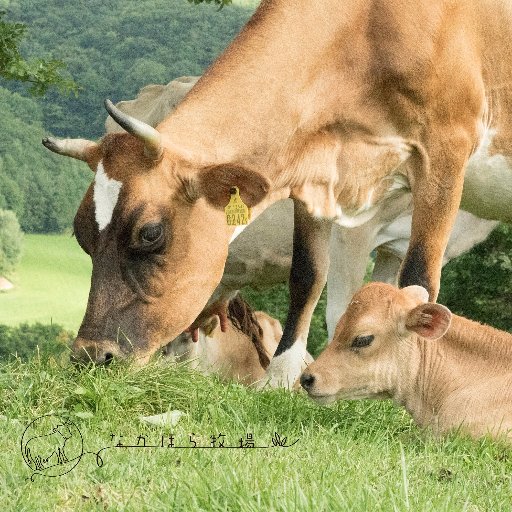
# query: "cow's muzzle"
{"type": "Point", "coordinates": [98, 352]}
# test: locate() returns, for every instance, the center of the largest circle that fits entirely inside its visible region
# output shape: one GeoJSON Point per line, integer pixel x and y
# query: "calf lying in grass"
{"type": "Point", "coordinates": [447, 371]}
{"type": "Point", "coordinates": [240, 351]}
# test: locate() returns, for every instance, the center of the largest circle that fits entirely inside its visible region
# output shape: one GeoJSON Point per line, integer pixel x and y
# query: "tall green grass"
{"type": "Point", "coordinates": [354, 456]}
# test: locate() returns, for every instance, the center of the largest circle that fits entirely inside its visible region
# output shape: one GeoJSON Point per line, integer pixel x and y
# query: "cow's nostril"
{"type": "Point", "coordinates": [109, 357]}
{"type": "Point", "coordinates": [307, 380]}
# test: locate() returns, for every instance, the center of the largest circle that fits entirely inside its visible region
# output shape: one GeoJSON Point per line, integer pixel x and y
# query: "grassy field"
{"type": "Point", "coordinates": [353, 456]}
{"type": "Point", "coordinates": [246, 3]}
{"type": "Point", "coordinates": [52, 283]}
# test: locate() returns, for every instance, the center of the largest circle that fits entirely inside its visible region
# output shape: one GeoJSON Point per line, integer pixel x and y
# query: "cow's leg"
{"type": "Point", "coordinates": [387, 267]}
{"type": "Point", "coordinates": [349, 250]}
{"type": "Point", "coordinates": [310, 263]}
{"type": "Point", "coordinates": [437, 183]}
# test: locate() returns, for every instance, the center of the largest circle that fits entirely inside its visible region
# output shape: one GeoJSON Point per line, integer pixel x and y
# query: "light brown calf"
{"type": "Point", "coordinates": [242, 352]}
{"type": "Point", "coordinates": [447, 371]}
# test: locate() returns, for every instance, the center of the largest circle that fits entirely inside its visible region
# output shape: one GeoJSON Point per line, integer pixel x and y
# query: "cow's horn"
{"type": "Point", "coordinates": [139, 129]}
{"type": "Point", "coordinates": [75, 148]}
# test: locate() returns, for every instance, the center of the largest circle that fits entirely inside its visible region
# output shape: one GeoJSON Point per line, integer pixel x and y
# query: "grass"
{"type": "Point", "coordinates": [353, 456]}
{"type": "Point", "coordinates": [52, 283]}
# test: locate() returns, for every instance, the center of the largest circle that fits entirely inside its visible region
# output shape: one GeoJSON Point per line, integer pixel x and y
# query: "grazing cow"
{"type": "Point", "coordinates": [447, 371]}
{"type": "Point", "coordinates": [261, 256]}
{"type": "Point", "coordinates": [242, 352]}
{"type": "Point", "coordinates": [360, 98]}
{"type": "Point", "coordinates": [154, 102]}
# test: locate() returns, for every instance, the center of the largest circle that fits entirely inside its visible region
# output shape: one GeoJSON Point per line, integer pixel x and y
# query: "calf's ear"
{"type": "Point", "coordinates": [416, 292]}
{"type": "Point", "coordinates": [429, 320]}
{"type": "Point", "coordinates": [215, 183]}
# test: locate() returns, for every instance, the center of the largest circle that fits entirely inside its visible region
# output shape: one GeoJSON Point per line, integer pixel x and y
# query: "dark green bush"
{"type": "Point", "coordinates": [478, 284]}
{"type": "Point", "coordinates": [28, 340]}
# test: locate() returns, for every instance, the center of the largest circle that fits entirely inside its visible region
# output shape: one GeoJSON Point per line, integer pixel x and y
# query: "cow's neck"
{"type": "Point", "coordinates": [469, 353]}
{"type": "Point", "coordinates": [269, 101]}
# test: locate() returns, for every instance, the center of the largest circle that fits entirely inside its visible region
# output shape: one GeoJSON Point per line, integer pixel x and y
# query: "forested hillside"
{"type": "Point", "coordinates": [43, 189]}
{"type": "Point", "coordinates": [111, 49]}
{"type": "Point", "coordinates": [114, 47]}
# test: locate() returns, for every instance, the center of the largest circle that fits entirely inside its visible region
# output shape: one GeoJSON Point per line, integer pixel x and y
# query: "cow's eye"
{"type": "Point", "coordinates": [150, 234]}
{"type": "Point", "coordinates": [362, 341]}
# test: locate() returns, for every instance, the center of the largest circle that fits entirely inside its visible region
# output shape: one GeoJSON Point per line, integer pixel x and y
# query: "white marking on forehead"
{"type": "Point", "coordinates": [106, 194]}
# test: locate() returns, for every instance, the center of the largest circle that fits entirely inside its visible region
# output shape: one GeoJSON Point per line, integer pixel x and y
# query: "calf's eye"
{"type": "Point", "coordinates": [151, 233]}
{"type": "Point", "coordinates": [362, 341]}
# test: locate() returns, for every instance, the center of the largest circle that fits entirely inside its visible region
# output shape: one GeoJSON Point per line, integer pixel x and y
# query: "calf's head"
{"type": "Point", "coordinates": [154, 226]}
{"type": "Point", "coordinates": [373, 342]}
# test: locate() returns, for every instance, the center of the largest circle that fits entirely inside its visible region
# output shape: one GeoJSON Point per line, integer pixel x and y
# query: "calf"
{"type": "Point", "coordinates": [241, 352]}
{"type": "Point", "coordinates": [447, 371]}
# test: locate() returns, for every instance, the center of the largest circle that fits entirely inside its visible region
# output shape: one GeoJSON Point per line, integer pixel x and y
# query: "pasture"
{"type": "Point", "coordinates": [363, 455]}
{"type": "Point", "coordinates": [353, 456]}
{"type": "Point", "coordinates": [52, 283]}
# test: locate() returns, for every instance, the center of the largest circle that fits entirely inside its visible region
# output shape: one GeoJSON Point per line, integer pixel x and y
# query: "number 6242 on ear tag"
{"type": "Point", "coordinates": [237, 212]}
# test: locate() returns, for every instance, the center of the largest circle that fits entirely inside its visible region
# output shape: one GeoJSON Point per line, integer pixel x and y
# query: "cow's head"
{"type": "Point", "coordinates": [154, 226]}
{"type": "Point", "coordinates": [371, 350]}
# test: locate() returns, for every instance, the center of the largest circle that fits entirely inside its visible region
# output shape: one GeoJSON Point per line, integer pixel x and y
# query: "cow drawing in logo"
{"type": "Point", "coordinates": [51, 446]}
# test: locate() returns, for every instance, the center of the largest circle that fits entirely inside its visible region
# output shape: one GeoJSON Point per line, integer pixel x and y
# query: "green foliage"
{"type": "Point", "coordinates": [478, 285]}
{"type": "Point", "coordinates": [39, 73]}
{"type": "Point", "coordinates": [43, 189]}
{"type": "Point", "coordinates": [11, 241]}
{"type": "Point", "coordinates": [114, 48]}
{"type": "Point", "coordinates": [26, 341]}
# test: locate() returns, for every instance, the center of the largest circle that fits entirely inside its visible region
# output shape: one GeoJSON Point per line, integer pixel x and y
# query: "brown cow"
{"type": "Point", "coordinates": [338, 104]}
{"type": "Point", "coordinates": [261, 255]}
{"type": "Point", "coordinates": [447, 371]}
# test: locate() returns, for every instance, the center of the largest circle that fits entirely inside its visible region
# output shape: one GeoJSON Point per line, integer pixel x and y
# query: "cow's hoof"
{"type": "Point", "coordinates": [285, 369]}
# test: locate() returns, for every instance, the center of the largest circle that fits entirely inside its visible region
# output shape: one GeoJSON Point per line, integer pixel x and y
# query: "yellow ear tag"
{"type": "Point", "coordinates": [237, 212]}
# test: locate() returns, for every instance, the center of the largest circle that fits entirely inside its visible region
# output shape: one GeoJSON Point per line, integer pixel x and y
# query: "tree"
{"type": "Point", "coordinates": [39, 73]}
{"type": "Point", "coordinates": [11, 240]}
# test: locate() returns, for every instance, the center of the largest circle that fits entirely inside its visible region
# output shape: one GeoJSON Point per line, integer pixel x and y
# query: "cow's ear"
{"type": "Point", "coordinates": [429, 320]}
{"type": "Point", "coordinates": [215, 183]}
